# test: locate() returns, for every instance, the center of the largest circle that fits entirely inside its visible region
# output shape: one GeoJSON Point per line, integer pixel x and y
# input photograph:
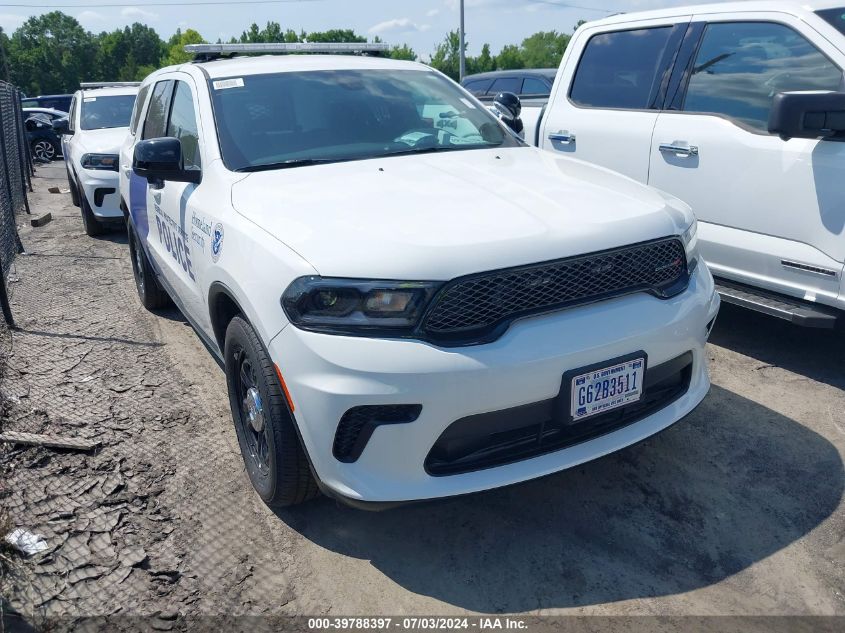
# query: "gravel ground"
{"type": "Point", "coordinates": [738, 510]}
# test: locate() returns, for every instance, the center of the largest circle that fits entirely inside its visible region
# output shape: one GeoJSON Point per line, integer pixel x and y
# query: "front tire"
{"type": "Point", "coordinates": [93, 227]}
{"type": "Point", "coordinates": [273, 455]}
{"type": "Point", "coordinates": [150, 292]}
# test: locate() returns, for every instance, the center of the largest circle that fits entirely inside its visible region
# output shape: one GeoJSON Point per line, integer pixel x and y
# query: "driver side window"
{"type": "Point", "coordinates": [741, 66]}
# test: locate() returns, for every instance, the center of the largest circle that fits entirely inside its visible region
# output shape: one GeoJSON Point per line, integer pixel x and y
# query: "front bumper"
{"type": "Point", "coordinates": [328, 375]}
{"type": "Point", "coordinates": [101, 190]}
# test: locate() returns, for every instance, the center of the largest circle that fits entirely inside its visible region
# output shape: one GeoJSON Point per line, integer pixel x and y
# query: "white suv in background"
{"type": "Point", "coordinates": [737, 109]}
{"type": "Point", "coordinates": [91, 138]}
{"type": "Point", "coordinates": [408, 301]}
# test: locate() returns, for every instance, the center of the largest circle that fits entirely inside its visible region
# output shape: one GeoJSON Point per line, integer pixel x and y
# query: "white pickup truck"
{"type": "Point", "coordinates": [738, 109]}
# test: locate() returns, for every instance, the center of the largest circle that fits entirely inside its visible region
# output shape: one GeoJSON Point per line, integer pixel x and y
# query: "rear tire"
{"type": "Point", "coordinates": [273, 454]}
{"type": "Point", "coordinates": [93, 227]}
{"type": "Point", "coordinates": [150, 292]}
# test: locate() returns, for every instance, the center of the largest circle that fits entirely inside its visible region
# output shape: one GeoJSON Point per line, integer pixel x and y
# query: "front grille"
{"type": "Point", "coordinates": [358, 423]}
{"type": "Point", "coordinates": [480, 306]}
{"type": "Point", "coordinates": [502, 437]}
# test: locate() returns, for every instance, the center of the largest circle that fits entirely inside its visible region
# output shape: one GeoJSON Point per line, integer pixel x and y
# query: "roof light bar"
{"type": "Point", "coordinates": [210, 51]}
{"type": "Point", "coordinates": [88, 85]}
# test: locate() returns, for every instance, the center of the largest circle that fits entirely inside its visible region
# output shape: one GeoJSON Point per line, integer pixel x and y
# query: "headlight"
{"type": "Point", "coordinates": [356, 305]}
{"type": "Point", "coordinates": [690, 240]}
{"type": "Point", "coordinates": [104, 162]}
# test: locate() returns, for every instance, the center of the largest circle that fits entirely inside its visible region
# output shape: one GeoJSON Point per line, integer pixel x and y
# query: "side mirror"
{"type": "Point", "coordinates": [160, 159]}
{"type": "Point", "coordinates": [60, 126]}
{"type": "Point", "coordinates": [509, 109]}
{"type": "Point", "coordinates": [808, 114]}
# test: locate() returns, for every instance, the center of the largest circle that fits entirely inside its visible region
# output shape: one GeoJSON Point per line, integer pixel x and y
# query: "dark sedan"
{"type": "Point", "coordinates": [44, 143]}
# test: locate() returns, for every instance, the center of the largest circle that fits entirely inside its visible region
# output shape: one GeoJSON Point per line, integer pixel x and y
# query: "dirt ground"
{"type": "Point", "coordinates": [737, 510]}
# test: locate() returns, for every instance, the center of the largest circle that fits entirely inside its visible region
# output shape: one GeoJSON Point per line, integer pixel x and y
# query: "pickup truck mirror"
{"type": "Point", "coordinates": [60, 126]}
{"type": "Point", "coordinates": [808, 114]}
{"type": "Point", "coordinates": [160, 159]}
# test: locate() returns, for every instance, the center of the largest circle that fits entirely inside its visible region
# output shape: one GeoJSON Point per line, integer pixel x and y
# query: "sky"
{"type": "Point", "coordinates": [419, 23]}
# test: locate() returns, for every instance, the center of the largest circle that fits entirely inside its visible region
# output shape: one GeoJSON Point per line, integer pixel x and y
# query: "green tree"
{"type": "Point", "coordinates": [51, 53]}
{"type": "Point", "coordinates": [335, 35]}
{"type": "Point", "coordinates": [446, 57]}
{"type": "Point", "coordinates": [252, 35]}
{"type": "Point", "coordinates": [4, 55]}
{"type": "Point", "coordinates": [509, 58]}
{"type": "Point", "coordinates": [544, 49]}
{"type": "Point", "coordinates": [483, 63]}
{"type": "Point", "coordinates": [403, 52]}
{"type": "Point", "coordinates": [128, 54]}
{"type": "Point", "coordinates": [176, 46]}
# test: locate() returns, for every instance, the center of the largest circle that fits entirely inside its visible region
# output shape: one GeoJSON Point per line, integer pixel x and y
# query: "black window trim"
{"type": "Point", "coordinates": [681, 96]}
{"type": "Point", "coordinates": [141, 105]}
{"type": "Point", "coordinates": [175, 81]}
{"type": "Point", "coordinates": [664, 69]}
{"type": "Point", "coordinates": [169, 102]}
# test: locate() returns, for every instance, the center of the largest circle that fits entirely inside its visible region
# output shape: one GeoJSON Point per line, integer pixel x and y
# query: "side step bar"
{"type": "Point", "coordinates": [799, 312]}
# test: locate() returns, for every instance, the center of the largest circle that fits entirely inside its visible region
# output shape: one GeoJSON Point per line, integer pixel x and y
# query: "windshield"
{"type": "Point", "coordinates": [103, 112]}
{"type": "Point", "coordinates": [297, 118]}
{"type": "Point", "coordinates": [836, 17]}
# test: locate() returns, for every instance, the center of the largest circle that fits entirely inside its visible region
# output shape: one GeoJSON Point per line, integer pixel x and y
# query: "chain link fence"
{"type": "Point", "coordinates": [17, 171]}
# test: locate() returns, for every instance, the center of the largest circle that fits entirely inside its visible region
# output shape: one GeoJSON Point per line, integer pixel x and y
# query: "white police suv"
{"type": "Point", "coordinates": [409, 302]}
{"type": "Point", "coordinates": [91, 138]}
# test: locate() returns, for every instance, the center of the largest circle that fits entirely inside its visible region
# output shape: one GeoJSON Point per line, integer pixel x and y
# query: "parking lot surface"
{"type": "Point", "coordinates": [738, 509]}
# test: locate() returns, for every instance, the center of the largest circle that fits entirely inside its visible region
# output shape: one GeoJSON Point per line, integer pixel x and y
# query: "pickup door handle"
{"type": "Point", "coordinates": [562, 137]}
{"type": "Point", "coordinates": [679, 148]}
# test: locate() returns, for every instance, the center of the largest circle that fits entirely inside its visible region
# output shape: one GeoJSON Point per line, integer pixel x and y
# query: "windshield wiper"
{"type": "Point", "coordinates": [437, 148]}
{"type": "Point", "coordinates": [293, 162]}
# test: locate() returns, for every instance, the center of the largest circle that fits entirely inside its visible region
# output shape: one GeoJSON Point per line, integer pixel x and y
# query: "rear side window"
{"type": "Point", "coordinates": [741, 66]}
{"type": "Point", "coordinates": [507, 84]}
{"type": "Point", "coordinates": [31, 103]}
{"type": "Point", "coordinates": [620, 69]}
{"type": "Point", "coordinates": [183, 124]}
{"type": "Point", "coordinates": [155, 125]}
{"type": "Point", "coordinates": [836, 17]}
{"type": "Point", "coordinates": [139, 107]}
{"type": "Point", "coordinates": [532, 86]}
{"type": "Point", "coordinates": [478, 86]}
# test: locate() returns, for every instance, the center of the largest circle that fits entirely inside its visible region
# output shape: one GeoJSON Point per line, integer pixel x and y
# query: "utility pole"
{"type": "Point", "coordinates": [463, 45]}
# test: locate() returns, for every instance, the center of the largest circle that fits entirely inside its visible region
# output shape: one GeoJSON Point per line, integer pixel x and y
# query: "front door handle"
{"type": "Point", "coordinates": [563, 136]}
{"type": "Point", "coordinates": [679, 148]}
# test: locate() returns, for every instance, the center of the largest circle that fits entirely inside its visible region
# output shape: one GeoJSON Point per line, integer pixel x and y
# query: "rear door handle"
{"type": "Point", "coordinates": [679, 148]}
{"type": "Point", "coordinates": [563, 136]}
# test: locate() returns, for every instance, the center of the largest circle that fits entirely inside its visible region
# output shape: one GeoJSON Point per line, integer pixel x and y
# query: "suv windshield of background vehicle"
{"type": "Point", "coordinates": [836, 17]}
{"type": "Point", "coordinates": [289, 119]}
{"type": "Point", "coordinates": [106, 112]}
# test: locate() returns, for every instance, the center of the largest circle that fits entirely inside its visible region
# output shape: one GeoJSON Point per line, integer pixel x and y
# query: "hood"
{"type": "Point", "coordinates": [105, 141]}
{"type": "Point", "coordinates": [438, 216]}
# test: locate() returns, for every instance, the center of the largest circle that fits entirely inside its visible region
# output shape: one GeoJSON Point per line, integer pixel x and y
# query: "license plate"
{"type": "Point", "coordinates": [601, 390]}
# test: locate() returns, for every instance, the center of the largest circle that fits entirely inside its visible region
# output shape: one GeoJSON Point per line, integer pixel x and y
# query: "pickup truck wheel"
{"type": "Point", "coordinates": [150, 292]}
{"type": "Point", "coordinates": [93, 227]}
{"type": "Point", "coordinates": [74, 192]}
{"type": "Point", "coordinates": [275, 460]}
